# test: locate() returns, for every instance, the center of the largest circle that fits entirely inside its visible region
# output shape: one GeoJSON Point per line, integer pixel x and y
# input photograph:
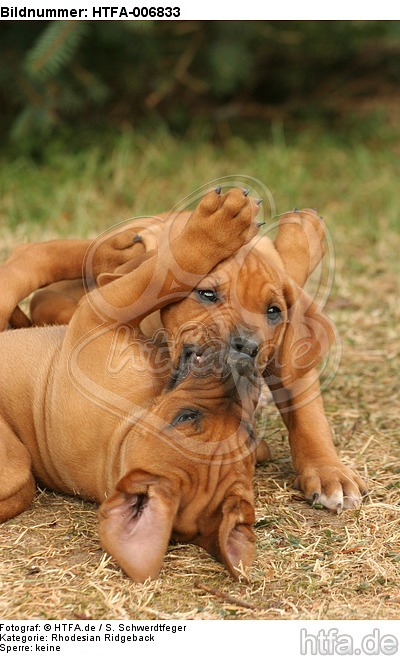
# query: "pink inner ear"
{"type": "Point", "coordinates": [135, 529]}
{"type": "Point", "coordinates": [239, 548]}
{"type": "Point", "coordinates": [236, 537]}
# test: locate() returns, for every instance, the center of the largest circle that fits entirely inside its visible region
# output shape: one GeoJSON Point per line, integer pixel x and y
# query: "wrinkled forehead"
{"type": "Point", "coordinates": [206, 440]}
{"type": "Point", "coordinates": [248, 276]}
{"type": "Point", "coordinates": [210, 398]}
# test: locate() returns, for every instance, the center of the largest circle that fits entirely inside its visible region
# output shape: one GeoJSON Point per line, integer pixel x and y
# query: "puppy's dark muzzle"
{"type": "Point", "coordinates": [241, 363]}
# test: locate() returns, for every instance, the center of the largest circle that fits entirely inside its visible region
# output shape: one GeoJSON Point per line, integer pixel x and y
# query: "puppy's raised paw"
{"type": "Point", "coordinates": [222, 223]}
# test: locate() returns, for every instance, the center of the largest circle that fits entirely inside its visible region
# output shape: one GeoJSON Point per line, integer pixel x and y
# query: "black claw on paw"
{"type": "Point", "coordinates": [315, 498]}
{"type": "Point", "coordinates": [137, 238]}
{"type": "Point", "coordinates": [295, 209]}
{"type": "Point", "coordinates": [218, 190]}
{"type": "Point", "coordinates": [258, 201]}
{"type": "Point", "coordinates": [261, 223]}
{"type": "Point", "coordinates": [245, 192]}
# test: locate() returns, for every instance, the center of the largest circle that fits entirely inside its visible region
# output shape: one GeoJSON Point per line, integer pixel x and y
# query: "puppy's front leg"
{"type": "Point", "coordinates": [321, 475]}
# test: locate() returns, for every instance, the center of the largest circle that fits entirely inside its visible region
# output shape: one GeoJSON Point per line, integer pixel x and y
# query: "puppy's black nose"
{"type": "Point", "coordinates": [244, 345]}
{"type": "Point", "coordinates": [242, 353]}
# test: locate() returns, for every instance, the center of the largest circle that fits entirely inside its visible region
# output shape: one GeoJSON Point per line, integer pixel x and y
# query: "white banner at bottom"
{"type": "Point", "coordinates": [237, 637]}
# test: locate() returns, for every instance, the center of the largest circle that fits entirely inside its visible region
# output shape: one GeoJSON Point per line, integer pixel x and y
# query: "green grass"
{"type": "Point", "coordinates": [78, 191]}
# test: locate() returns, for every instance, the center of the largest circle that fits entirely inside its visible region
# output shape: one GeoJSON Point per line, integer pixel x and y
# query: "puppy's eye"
{"type": "Point", "coordinates": [274, 315]}
{"type": "Point", "coordinates": [185, 415]}
{"type": "Point", "coordinates": [207, 295]}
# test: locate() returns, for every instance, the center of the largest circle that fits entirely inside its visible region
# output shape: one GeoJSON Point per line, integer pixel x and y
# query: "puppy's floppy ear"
{"type": "Point", "coordinates": [301, 243]}
{"type": "Point", "coordinates": [233, 542]}
{"type": "Point", "coordinates": [127, 267]}
{"type": "Point", "coordinates": [307, 338]}
{"type": "Point", "coordinates": [135, 523]}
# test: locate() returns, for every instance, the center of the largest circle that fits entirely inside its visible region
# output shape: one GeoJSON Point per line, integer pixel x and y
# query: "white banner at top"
{"type": "Point", "coordinates": [197, 10]}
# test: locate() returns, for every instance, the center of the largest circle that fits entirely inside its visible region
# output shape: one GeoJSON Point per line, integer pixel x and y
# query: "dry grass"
{"type": "Point", "coordinates": [310, 564]}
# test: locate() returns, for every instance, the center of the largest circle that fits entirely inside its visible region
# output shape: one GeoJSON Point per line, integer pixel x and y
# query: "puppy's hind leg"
{"type": "Point", "coordinates": [17, 485]}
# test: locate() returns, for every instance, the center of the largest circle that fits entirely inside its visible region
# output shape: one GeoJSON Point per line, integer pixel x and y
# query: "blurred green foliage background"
{"type": "Point", "coordinates": [210, 76]}
{"type": "Point", "coordinates": [104, 120]}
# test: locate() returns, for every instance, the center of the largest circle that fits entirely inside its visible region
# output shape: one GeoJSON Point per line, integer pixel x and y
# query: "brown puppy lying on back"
{"type": "Point", "coordinates": [187, 474]}
{"type": "Point", "coordinates": [248, 301]}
